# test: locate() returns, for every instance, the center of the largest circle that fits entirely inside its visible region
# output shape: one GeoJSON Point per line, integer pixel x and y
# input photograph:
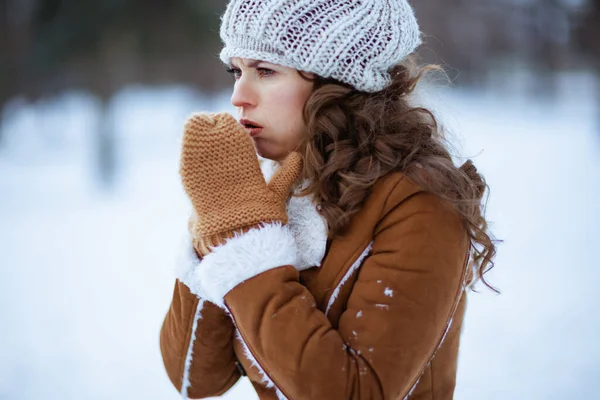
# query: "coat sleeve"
{"type": "Point", "coordinates": [196, 342]}
{"type": "Point", "coordinates": [399, 310]}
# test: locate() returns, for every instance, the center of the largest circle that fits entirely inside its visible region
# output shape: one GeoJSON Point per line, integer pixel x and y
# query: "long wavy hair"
{"type": "Point", "coordinates": [354, 138]}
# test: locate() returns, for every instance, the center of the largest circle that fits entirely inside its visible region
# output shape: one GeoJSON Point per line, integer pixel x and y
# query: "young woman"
{"type": "Point", "coordinates": [344, 276]}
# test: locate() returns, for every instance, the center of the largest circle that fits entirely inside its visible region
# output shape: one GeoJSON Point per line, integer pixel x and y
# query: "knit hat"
{"type": "Point", "coordinates": [353, 41]}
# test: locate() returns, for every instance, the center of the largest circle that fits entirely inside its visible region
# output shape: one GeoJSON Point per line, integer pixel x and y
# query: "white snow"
{"type": "Point", "coordinates": [86, 275]}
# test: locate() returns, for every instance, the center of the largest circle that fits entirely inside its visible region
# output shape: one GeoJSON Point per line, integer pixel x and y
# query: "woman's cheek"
{"type": "Point", "coordinates": [297, 133]}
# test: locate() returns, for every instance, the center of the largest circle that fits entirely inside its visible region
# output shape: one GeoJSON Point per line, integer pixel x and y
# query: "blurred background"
{"type": "Point", "coordinates": [93, 96]}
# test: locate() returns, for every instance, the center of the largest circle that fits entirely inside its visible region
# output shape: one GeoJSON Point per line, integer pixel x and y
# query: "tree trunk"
{"type": "Point", "coordinates": [105, 148]}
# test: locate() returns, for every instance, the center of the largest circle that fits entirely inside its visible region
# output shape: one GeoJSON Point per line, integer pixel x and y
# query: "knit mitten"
{"type": "Point", "coordinates": [222, 178]}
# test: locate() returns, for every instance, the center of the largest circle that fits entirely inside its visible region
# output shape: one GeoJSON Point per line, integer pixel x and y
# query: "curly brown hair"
{"type": "Point", "coordinates": [354, 138]}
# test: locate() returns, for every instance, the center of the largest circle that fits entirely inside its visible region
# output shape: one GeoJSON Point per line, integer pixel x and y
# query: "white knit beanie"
{"type": "Point", "coordinates": [352, 41]}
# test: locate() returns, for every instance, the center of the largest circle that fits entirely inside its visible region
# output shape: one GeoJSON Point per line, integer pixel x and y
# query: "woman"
{"type": "Point", "coordinates": [344, 277]}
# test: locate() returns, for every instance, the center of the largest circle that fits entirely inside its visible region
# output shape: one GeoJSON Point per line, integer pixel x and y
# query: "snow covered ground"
{"type": "Point", "coordinates": [86, 274]}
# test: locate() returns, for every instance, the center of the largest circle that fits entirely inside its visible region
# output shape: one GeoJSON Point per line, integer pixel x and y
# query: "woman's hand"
{"type": "Point", "coordinates": [222, 178]}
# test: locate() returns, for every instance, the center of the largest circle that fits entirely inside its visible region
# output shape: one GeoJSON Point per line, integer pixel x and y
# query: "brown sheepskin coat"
{"type": "Point", "coordinates": [377, 316]}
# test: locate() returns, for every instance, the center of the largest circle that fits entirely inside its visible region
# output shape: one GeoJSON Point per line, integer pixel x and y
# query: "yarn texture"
{"type": "Point", "coordinates": [354, 41]}
{"type": "Point", "coordinates": [221, 175]}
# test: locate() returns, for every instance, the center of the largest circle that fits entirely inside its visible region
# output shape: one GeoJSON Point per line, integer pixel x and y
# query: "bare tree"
{"type": "Point", "coordinates": [49, 46]}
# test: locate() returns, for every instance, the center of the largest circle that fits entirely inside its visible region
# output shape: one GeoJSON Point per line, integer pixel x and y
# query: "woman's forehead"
{"type": "Point", "coordinates": [247, 62]}
{"type": "Point", "coordinates": [251, 63]}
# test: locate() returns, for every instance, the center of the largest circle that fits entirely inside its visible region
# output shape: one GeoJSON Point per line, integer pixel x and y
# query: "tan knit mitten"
{"type": "Point", "coordinates": [222, 178]}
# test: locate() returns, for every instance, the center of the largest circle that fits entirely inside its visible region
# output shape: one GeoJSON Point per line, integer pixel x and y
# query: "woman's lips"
{"type": "Point", "coordinates": [254, 132]}
{"type": "Point", "coordinates": [251, 127]}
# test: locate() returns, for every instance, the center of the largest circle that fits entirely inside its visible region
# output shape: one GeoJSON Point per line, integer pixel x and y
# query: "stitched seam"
{"type": "Point", "coordinates": [354, 268]}
{"type": "Point", "coordinates": [187, 366]}
{"type": "Point", "coordinates": [458, 296]}
{"type": "Point", "coordinates": [432, 384]}
{"type": "Point", "coordinates": [229, 383]}
{"type": "Point", "coordinates": [357, 254]}
{"type": "Point", "coordinates": [341, 275]}
{"type": "Point", "coordinates": [184, 348]}
{"type": "Point", "coordinates": [402, 178]}
{"type": "Point", "coordinates": [276, 387]}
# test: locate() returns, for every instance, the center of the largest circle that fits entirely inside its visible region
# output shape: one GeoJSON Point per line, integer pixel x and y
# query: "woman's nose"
{"type": "Point", "coordinates": [243, 94]}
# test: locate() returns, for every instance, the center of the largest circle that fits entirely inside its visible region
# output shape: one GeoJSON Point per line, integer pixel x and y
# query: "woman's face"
{"type": "Point", "coordinates": [271, 97]}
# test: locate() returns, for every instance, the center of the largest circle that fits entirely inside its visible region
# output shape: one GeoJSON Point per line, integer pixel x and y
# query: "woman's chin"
{"type": "Point", "coordinates": [266, 152]}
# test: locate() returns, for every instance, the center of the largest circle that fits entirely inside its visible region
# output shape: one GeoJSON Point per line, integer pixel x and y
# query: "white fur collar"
{"type": "Point", "coordinates": [306, 224]}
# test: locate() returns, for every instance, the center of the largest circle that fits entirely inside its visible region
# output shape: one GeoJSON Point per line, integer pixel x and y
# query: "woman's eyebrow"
{"type": "Point", "coordinates": [251, 64]}
{"type": "Point", "coordinates": [254, 63]}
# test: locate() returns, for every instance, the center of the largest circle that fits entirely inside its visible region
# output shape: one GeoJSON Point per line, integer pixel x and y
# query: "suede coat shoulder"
{"type": "Point", "coordinates": [377, 317]}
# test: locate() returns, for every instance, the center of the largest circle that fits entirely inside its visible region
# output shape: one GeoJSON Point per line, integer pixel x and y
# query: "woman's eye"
{"type": "Point", "coordinates": [265, 72]}
{"type": "Point", "coordinates": [235, 72]}
{"type": "Point", "coordinates": [262, 72]}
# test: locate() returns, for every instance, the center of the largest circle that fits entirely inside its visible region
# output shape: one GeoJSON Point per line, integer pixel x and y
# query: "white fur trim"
{"type": "Point", "coordinates": [448, 326]}
{"type": "Point", "coordinates": [185, 384]}
{"type": "Point", "coordinates": [185, 267]}
{"type": "Point", "coordinates": [307, 225]}
{"type": "Point", "coordinates": [410, 392]}
{"type": "Point", "coordinates": [265, 379]}
{"type": "Point", "coordinates": [241, 258]}
{"type": "Point", "coordinates": [268, 168]}
{"type": "Point", "coordinates": [186, 260]}
{"type": "Point", "coordinates": [348, 274]}
{"type": "Point", "coordinates": [445, 333]}
{"type": "Point", "coordinates": [310, 231]}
